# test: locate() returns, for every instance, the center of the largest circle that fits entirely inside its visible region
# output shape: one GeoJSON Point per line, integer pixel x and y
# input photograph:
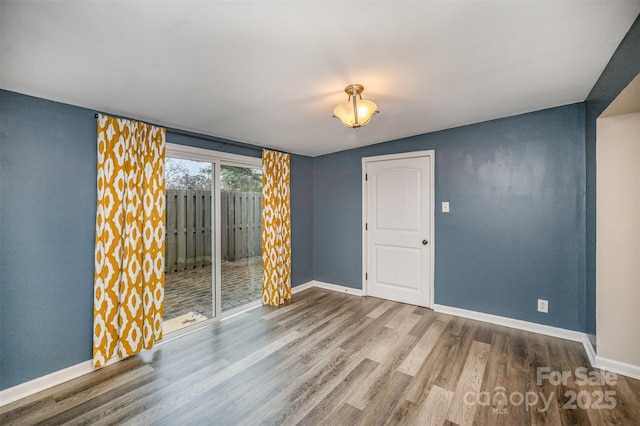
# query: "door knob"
{"type": "Point", "coordinates": [425, 242]}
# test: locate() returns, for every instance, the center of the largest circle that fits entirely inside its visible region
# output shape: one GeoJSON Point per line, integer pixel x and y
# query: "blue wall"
{"type": "Point", "coordinates": [301, 219]}
{"type": "Point", "coordinates": [515, 232]}
{"type": "Point", "coordinates": [622, 68]}
{"type": "Point", "coordinates": [47, 231]}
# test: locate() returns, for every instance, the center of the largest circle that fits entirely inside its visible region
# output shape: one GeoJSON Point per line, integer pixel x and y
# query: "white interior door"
{"type": "Point", "coordinates": [399, 217]}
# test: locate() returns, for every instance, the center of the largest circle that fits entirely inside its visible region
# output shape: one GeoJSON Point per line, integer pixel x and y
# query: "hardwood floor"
{"type": "Point", "coordinates": [335, 359]}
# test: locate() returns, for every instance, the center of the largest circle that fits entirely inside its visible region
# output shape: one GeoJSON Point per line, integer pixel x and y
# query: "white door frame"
{"type": "Point", "coordinates": [404, 155]}
{"type": "Point", "coordinates": [217, 158]}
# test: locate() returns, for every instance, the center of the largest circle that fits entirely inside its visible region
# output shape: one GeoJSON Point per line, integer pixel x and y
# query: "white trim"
{"type": "Point", "coordinates": [166, 338]}
{"type": "Point", "coordinates": [618, 367]}
{"type": "Point", "coordinates": [241, 309]}
{"type": "Point", "coordinates": [400, 155]}
{"type": "Point", "coordinates": [208, 322]}
{"type": "Point", "coordinates": [533, 327]}
{"type": "Point", "coordinates": [363, 226]}
{"type": "Point", "coordinates": [332, 287]}
{"type": "Point", "coordinates": [588, 348]}
{"type": "Point", "coordinates": [431, 154]}
{"type": "Point", "coordinates": [596, 361]}
{"type": "Point", "coordinates": [42, 383]}
{"type": "Point", "coordinates": [302, 287]}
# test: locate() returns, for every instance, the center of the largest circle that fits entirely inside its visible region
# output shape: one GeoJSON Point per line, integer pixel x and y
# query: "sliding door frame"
{"type": "Point", "coordinates": [218, 159]}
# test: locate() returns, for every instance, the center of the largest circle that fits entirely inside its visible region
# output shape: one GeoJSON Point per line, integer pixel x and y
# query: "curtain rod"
{"type": "Point", "coordinates": [211, 139]}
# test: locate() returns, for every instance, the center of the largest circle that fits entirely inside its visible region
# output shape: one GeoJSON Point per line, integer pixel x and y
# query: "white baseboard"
{"type": "Point", "coordinates": [588, 348]}
{"type": "Point", "coordinates": [23, 390]}
{"type": "Point", "coordinates": [547, 330]}
{"type": "Point", "coordinates": [533, 327]}
{"type": "Point", "coordinates": [596, 361]}
{"type": "Point", "coordinates": [618, 367]}
{"type": "Point", "coordinates": [39, 384]}
{"type": "Point", "coordinates": [328, 286]}
{"type": "Point", "coordinates": [302, 287]}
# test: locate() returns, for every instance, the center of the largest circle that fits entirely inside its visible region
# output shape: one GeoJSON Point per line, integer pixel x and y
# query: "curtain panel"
{"type": "Point", "coordinates": [276, 228]}
{"type": "Point", "coordinates": [130, 234]}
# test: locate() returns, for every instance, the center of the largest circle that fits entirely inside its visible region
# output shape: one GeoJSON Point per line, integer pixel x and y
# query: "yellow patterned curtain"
{"type": "Point", "coordinates": [130, 228]}
{"type": "Point", "coordinates": [276, 228]}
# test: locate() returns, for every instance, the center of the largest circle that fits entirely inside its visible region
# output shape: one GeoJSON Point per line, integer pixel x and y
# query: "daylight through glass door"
{"type": "Point", "coordinates": [189, 249]}
{"type": "Point", "coordinates": [241, 236]}
{"type": "Point", "coordinates": [196, 289]}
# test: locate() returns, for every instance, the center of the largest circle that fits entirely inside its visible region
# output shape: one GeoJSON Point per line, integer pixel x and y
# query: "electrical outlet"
{"type": "Point", "coordinates": [543, 306]}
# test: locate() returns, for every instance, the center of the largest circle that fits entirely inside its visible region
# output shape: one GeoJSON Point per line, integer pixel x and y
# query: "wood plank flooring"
{"type": "Point", "coordinates": [334, 359]}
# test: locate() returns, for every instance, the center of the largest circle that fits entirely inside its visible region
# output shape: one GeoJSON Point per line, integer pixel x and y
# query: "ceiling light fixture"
{"type": "Point", "coordinates": [356, 112]}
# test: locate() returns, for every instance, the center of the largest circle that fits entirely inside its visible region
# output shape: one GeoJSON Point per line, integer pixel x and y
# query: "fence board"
{"type": "Point", "coordinates": [246, 224]}
{"type": "Point", "coordinates": [256, 225]}
{"type": "Point", "coordinates": [231, 228]}
{"type": "Point", "coordinates": [191, 252]}
{"type": "Point", "coordinates": [207, 227]}
{"type": "Point", "coordinates": [189, 230]}
{"type": "Point", "coordinates": [181, 226]}
{"type": "Point", "coordinates": [199, 213]}
{"type": "Point", "coordinates": [237, 226]}
{"type": "Point", "coordinates": [224, 224]}
{"type": "Point", "coordinates": [171, 242]}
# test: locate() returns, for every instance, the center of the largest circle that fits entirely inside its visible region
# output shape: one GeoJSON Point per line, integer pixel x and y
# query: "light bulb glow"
{"type": "Point", "coordinates": [365, 110]}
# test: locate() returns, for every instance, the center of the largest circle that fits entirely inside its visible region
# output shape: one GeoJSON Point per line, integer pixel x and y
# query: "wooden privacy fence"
{"type": "Point", "coordinates": [189, 230]}
{"type": "Point", "coordinates": [241, 224]}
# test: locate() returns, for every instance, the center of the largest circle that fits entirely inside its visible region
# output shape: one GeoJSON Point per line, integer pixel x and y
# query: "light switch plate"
{"type": "Point", "coordinates": [445, 207]}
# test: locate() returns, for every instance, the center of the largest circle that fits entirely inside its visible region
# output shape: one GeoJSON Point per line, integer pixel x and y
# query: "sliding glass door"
{"type": "Point", "coordinates": [189, 250]}
{"type": "Point", "coordinates": [241, 236]}
{"type": "Point", "coordinates": [213, 244]}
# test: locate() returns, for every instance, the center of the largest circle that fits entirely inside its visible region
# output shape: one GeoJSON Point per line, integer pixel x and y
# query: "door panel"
{"type": "Point", "coordinates": [395, 267]}
{"type": "Point", "coordinates": [398, 215]}
{"type": "Point", "coordinates": [396, 206]}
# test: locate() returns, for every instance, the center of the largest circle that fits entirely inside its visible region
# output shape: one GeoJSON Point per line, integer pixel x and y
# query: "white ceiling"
{"type": "Point", "coordinates": [270, 73]}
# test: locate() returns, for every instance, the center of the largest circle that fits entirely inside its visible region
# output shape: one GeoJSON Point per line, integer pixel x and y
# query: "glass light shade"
{"type": "Point", "coordinates": [366, 110]}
